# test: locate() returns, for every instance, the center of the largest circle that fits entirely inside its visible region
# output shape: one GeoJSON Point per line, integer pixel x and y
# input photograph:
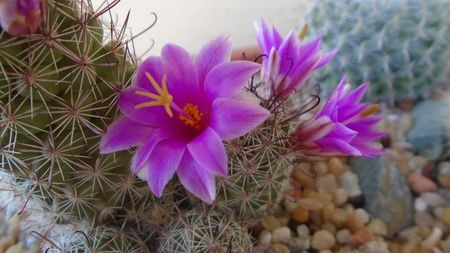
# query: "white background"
{"type": "Point", "coordinates": [191, 23]}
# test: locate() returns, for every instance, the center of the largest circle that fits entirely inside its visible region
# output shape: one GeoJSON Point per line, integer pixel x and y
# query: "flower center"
{"type": "Point", "coordinates": [193, 116]}
{"type": "Point", "coordinates": [370, 110]}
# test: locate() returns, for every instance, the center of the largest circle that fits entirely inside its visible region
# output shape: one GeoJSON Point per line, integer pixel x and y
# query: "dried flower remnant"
{"type": "Point", "coordinates": [21, 17]}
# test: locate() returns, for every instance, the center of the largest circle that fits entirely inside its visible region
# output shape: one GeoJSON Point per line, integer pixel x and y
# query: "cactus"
{"type": "Point", "coordinates": [401, 47]}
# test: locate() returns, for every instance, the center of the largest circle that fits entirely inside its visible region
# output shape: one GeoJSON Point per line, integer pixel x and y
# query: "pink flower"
{"type": "Point", "coordinates": [21, 17]}
{"type": "Point", "coordinates": [344, 126]}
{"type": "Point", "coordinates": [289, 63]}
{"type": "Point", "coordinates": [179, 111]}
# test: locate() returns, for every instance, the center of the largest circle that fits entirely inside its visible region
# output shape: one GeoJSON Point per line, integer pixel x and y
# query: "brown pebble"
{"type": "Point", "coordinates": [270, 222]}
{"type": "Point", "coordinates": [340, 217]}
{"type": "Point", "coordinates": [303, 179]}
{"type": "Point", "coordinates": [420, 183]}
{"type": "Point", "coordinates": [378, 227]}
{"type": "Point", "coordinates": [311, 204]}
{"type": "Point", "coordinates": [300, 214]}
{"type": "Point", "coordinates": [336, 166]}
{"type": "Point", "coordinates": [340, 197]}
{"type": "Point", "coordinates": [320, 168]}
{"type": "Point", "coordinates": [445, 216]}
{"type": "Point", "coordinates": [354, 222]}
{"type": "Point", "coordinates": [361, 237]}
{"type": "Point", "coordinates": [327, 212]}
{"type": "Point", "coordinates": [278, 248]}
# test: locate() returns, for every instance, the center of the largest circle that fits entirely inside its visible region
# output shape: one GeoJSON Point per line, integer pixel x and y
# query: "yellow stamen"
{"type": "Point", "coordinates": [303, 32]}
{"type": "Point", "coordinates": [163, 98]}
{"type": "Point", "coordinates": [193, 116]}
{"type": "Point", "coordinates": [370, 110]}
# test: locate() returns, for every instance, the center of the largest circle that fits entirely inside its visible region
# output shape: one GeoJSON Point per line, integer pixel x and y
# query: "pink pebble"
{"type": "Point", "coordinates": [420, 183]}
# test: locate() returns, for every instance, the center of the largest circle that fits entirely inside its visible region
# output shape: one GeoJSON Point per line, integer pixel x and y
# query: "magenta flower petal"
{"type": "Point", "coordinates": [181, 73]}
{"type": "Point", "coordinates": [232, 118]}
{"type": "Point", "coordinates": [228, 79]}
{"type": "Point", "coordinates": [290, 62]}
{"type": "Point", "coordinates": [123, 134]}
{"type": "Point", "coordinates": [198, 181]}
{"type": "Point", "coordinates": [143, 153]}
{"type": "Point", "coordinates": [152, 65]}
{"type": "Point", "coordinates": [343, 126]}
{"type": "Point", "coordinates": [208, 151]}
{"type": "Point", "coordinates": [163, 163]}
{"type": "Point", "coordinates": [21, 17]}
{"type": "Point", "coordinates": [212, 54]}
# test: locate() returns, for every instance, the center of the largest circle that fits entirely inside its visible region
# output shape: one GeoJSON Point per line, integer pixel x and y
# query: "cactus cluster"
{"type": "Point", "coordinates": [401, 47]}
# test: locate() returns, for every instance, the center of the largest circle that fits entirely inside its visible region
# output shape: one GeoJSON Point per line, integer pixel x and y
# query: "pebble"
{"type": "Point", "coordinates": [376, 247]}
{"type": "Point", "coordinates": [320, 168]}
{"type": "Point", "coordinates": [340, 217]}
{"type": "Point", "coordinates": [420, 205]}
{"type": "Point", "coordinates": [300, 214]}
{"type": "Point", "coordinates": [270, 222]}
{"type": "Point", "coordinates": [445, 215]}
{"type": "Point", "coordinates": [322, 240]}
{"type": "Point", "coordinates": [378, 227]}
{"type": "Point", "coordinates": [349, 182]}
{"type": "Point", "coordinates": [444, 174]}
{"type": "Point", "coordinates": [303, 179]}
{"type": "Point", "coordinates": [433, 238]}
{"type": "Point", "coordinates": [354, 223]}
{"type": "Point", "coordinates": [433, 199]}
{"type": "Point", "coordinates": [298, 244]}
{"type": "Point", "coordinates": [361, 237]}
{"type": "Point", "coordinates": [265, 238]}
{"type": "Point", "coordinates": [326, 183]}
{"type": "Point", "coordinates": [311, 204]}
{"type": "Point", "coordinates": [278, 248]}
{"type": "Point", "coordinates": [281, 234]}
{"type": "Point", "coordinates": [420, 183]}
{"type": "Point", "coordinates": [325, 251]}
{"type": "Point", "coordinates": [423, 219]}
{"type": "Point", "coordinates": [363, 216]}
{"type": "Point", "coordinates": [343, 236]}
{"type": "Point", "coordinates": [340, 197]}
{"type": "Point", "coordinates": [303, 231]}
{"type": "Point", "coordinates": [336, 166]}
{"type": "Point", "coordinates": [330, 227]}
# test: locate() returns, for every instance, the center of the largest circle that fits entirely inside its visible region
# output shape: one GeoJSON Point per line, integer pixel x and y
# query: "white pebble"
{"type": "Point", "coordinates": [323, 239]}
{"type": "Point", "coordinates": [433, 238]}
{"type": "Point", "coordinates": [343, 236]}
{"type": "Point", "coordinates": [420, 205]}
{"type": "Point", "coordinates": [265, 238]}
{"type": "Point", "coordinates": [376, 247]}
{"type": "Point", "coordinates": [303, 231]}
{"type": "Point", "coordinates": [433, 199]}
{"type": "Point", "coordinates": [350, 183]}
{"type": "Point", "coordinates": [281, 234]}
{"type": "Point", "coordinates": [363, 216]}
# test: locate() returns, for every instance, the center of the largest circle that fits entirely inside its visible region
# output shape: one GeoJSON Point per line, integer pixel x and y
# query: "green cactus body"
{"type": "Point", "coordinates": [401, 47]}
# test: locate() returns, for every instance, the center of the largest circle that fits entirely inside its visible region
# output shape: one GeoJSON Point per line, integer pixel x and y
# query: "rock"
{"type": "Point", "coordinates": [362, 215]}
{"type": "Point", "coordinates": [433, 199]}
{"type": "Point", "coordinates": [385, 188]}
{"type": "Point", "coordinates": [336, 166]}
{"type": "Point", "coordinates": [304, 179]}
{"type": "Point", "coordinates": [420, 205]}
{"type": "Point", "coordinates": [343, 236]}
{"type": "Point", "coordinates": [278, 248]}
{"type": "Point", "coordinates": [375, 247]}
{"type": "Point", "coordinates": [340, 197]}
{"type": "Point", "coordinates": [432, 239]}
{"type": "Point", "coordinates": [431, 131]}
{"type": "Point", "coordinates": [311, 204]}
{"type": "Point", "coordinates": [444, 174]}
{"type": "Point", "coordinates": [349, 182]}
{"type": "Point", "coordinates": [445, 216]}
{"type": "Point", "coordinates": [270, 222]}
{"type": "Point", "coordinates": [300, 214]}
{"type": "Point", "coordinates": [423, 219]}
{"type": "Point", "coordinates": [281, 234]}
{"type": "Point", "coordinates": [420, 183]}
{"type": "Point", "coordinates": [265, 238]}
{"type": "Point", "coordinates": [320, 168]}
{"type": "Point", "coordinates": [378, 227]}
{"type": "Point", "coordinates": [361, 237]}
{"type": "Point", "coordinates": [303, 231]}
{"type": "Point", "coordinates": [326, 183]}
{"type": "Point", "coordinates": [298, 244]}
{"type": "Point", "coordinates": [323, 239]}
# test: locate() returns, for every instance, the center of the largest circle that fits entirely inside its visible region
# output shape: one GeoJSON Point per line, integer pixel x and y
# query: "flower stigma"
{"type": "Point", "coordinates": [163, 98]}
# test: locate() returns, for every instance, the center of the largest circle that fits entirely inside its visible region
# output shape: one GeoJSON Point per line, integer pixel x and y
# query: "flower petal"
{"type": "Point", "coordinates": [152, 65]}
{"type": "Point", "coordinates": [211, 55]}
{"type": "Point", "coordinates": [208, 151]}
{"type": "Point", "coordinates": [227, 79]}
{"type": "Point", "coordinates": [122, 134]}
{"type": "Point", "coordinates": [143, 153]}
{"type": "Point", "coordinates": [181, 73]}
{"type": "Point", "coordinates": [231, 118]}
{"type": "Point", "coordinates": [162, 164]}
{"type": "Point", "coordinates": [196, 179]}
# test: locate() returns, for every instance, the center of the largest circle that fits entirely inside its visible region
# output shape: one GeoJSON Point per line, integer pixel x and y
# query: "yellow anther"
{"type": "Point", "coordinates": [163, 98]}
{"type": "Point", "coordinates": [370, 110]}
{"type": "Point", "coordinates": [193, 116]}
